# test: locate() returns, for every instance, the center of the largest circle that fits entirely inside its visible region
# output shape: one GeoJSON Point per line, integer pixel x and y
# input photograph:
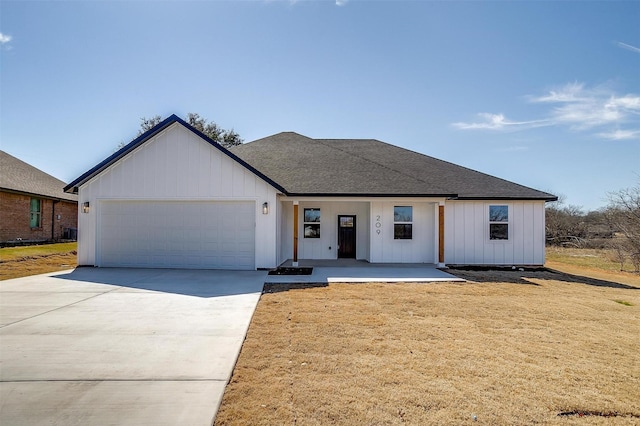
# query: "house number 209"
{"type": "Point", "coordinates": [378, 224]}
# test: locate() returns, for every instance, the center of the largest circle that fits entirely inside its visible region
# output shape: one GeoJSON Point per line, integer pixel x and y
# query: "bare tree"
{"type": "Point", "coordinates": [565, 224]}
{"type": "Point", "coordinates": [623, 213]}
{"type": "Point", "coordinates": [619, 253]}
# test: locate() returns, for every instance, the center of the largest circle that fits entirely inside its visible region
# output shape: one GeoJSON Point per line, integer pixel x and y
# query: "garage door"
{"type": "Point", "coordinates": [172, 234]}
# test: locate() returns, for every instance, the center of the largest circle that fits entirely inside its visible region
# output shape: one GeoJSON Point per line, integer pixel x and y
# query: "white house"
{"type": "Point", "coordinates": [172, 198]}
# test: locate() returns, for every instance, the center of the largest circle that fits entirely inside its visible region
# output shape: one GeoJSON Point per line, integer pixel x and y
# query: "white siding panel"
{"type": "Point", "coordinates": [237, 180]}
{"type": "Point", "coordinates": [215, 174]}
{"type": "Point", "coordinates": [249, 184]}
{"type": "Point", "coordinates": [192, 188]}
{"type": "Point", "coordinates": [286, 231]}
{"type": "Point", "coordinates": [527, 248]}
{"type": "Point", "coordinates": [467, 234]}
{"type": "Point", "coordinates": [324, 247]}
{"type": "Point", "coordinates": [386, 249]}
{"type": "Point", "coordinates": [376, 232]}
{"type": "Point", "coordinates": [176, 165]}
{"type": "Point", "coordinates": [479, 231]}
{"type": "Point", "coordinates": [539, 229]}
{"type": "Point", "coordinates": [224, 175]}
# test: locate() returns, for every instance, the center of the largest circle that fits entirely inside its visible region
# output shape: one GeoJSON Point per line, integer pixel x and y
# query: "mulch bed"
{"type": "Point", "coordinates": [292, 270]}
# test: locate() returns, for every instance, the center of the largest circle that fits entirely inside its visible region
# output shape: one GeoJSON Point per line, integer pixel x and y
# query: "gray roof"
{"type": "Point", "coordinates": [305, 166]}
{"type": "Point", "coordinates": [297, 165]}
{"type": "Point", "coordinates": [18, 176]}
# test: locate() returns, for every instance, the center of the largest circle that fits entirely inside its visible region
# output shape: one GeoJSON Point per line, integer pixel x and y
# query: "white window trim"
{"type": "Point", "coordinates": [304, 224]}
{"type": "Point", "coordinates": [403, 223]}
{"type": "Point", "coordinates": [488, 223]}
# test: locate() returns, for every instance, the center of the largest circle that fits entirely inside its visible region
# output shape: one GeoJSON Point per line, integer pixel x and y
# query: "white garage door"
{"type": "Point", "coordinates": [176, 234]}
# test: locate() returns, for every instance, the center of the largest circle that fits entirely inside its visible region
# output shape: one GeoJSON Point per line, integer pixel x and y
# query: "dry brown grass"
{"type": "Point", "coordinates": [507, 349]}
{"type": "Point", "coordinates": [591, 259]}
{"type": "Point", "coordinates": [16, 262]}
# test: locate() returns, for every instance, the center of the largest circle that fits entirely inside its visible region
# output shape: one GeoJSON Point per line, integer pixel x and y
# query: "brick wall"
{"type": "Point", "coordinates": [15, 218]}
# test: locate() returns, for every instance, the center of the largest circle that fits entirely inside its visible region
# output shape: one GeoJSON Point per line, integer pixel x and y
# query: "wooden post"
{"type": "Point", "coordinates": [295, 233]}
{"type": "Point", "coordinates": [440, 234]}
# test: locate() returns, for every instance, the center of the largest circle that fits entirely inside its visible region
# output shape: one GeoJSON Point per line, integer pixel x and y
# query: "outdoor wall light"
{"type": "Point", "coordinates": [85, 207]}
{"type": "Point", "coordinates": [265, 208]}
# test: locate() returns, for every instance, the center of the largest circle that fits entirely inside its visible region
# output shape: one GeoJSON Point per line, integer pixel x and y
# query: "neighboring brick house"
{"type": "Point", "coordinates": [33, 205]}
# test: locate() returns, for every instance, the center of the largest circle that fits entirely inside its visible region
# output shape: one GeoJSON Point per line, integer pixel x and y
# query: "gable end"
{"type": "Point", "coordinates": [149, 134]}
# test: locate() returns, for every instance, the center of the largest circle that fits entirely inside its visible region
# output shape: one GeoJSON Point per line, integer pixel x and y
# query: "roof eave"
{"type": "Point", "coordinates": [507, 198]}
{"type": "Point", "coordinates": [372, 195]}
{"type": "Point", "coordinates": [33, 194]}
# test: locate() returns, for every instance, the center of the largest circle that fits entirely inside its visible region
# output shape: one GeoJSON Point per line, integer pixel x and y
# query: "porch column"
{"type": "Point", "coordinates": [295, 233]}
{"type": "Point", "coordinates": [441, 235]}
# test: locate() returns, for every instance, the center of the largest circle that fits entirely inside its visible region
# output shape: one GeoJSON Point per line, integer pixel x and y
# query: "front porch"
{"type": "Point", "coordinates": [361, 271]}
{"type": "Point", "coordinates": [386, 230]}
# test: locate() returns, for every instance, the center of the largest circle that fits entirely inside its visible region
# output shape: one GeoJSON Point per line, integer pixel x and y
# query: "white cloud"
{"type": "Point", "coordinates": [628, 47]}
{"type": "Point", "coordinates": [499, 122]}
{"type": "Point", "coordinates": [4, 38]}
{"type": "Point", "coordinates": [577, 107]}
{"type": "Point", "coordinates": [569, 93]}
{"type": "Point", "coordinates": [619, 135]}
{"type": "Point", "coordinates": [628, 102]}
{"type": "Point", "coordinates": [586, 115]}
{"type": "Point", "coordinates": [341, 2]}
{"type": "Point", "coordinates": [589, 108]}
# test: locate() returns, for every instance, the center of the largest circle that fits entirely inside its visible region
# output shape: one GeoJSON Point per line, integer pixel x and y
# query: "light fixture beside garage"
{"type": "Point", "coordinates": [85, 207]}
{"type": "Point", "coordinates": [265, 208]}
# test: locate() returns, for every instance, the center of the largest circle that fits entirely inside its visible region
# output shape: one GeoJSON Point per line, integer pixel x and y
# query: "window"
{"type": "Point", "coordinates": [311, 223]}
{"type": "Point", "coordinates": [346, 221]}
{"type": "Point", "coordinates": [498, 222]}
{"type": "Point", "coordinates": [35, 213]}
{"type": "Point", "coordinates": [402, 222]}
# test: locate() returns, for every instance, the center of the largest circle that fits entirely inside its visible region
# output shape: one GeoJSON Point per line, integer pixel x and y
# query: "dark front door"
{"type": "Point", "coordinates": [346, 236]}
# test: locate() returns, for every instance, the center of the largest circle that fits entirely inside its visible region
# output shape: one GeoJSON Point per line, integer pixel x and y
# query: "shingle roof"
{"type": "Point", "coordinates": [16, 175]}
{"type": "Point", "coordinates": [305, 166]}
{"type": "Point", "coordinates": [298, 165]}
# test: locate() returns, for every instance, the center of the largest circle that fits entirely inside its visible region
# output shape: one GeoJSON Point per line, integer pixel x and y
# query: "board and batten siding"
{"type": "Point", "coordinates": [420, 249]}
{"type": "Point", "coordinates": [325, 247]}
{"type": "Point", "coordinates": [176, 165]}
{"type": "Point", "coordinates": [467, 234]}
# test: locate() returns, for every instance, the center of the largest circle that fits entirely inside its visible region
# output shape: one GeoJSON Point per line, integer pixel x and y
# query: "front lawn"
{"type": "Point", "coordinates": [16, 262]}
{"type": "Point", "coordinates": [592, 259]}
{"type": "Point", "coordinates": [512, 348]}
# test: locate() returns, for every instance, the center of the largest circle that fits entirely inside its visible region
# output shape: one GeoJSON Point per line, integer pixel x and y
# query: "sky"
{"type": "Point", "coordinates": [542, 93]}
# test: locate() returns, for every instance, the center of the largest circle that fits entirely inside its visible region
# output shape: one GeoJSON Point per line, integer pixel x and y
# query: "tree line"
{"type": "Point", "coordinates": [616, 226]}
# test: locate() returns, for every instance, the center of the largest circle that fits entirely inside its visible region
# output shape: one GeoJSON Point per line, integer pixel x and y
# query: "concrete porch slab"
{"type": "Point", "coordinates": [358, 271]}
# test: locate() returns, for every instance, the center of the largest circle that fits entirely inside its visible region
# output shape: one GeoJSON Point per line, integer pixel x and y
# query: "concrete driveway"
{"type": "Point", "coordinates": [121, 346]}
